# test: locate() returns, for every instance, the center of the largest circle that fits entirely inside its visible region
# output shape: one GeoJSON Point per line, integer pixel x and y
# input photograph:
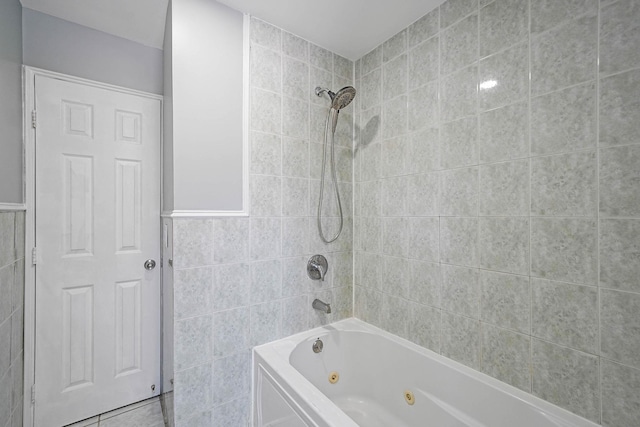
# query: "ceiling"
{"type": "Point", "coordinates": [348, 27]}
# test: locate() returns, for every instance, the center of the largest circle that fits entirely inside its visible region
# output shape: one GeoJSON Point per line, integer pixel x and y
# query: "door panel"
{"type": "Point", "coordinates": [97, 221]}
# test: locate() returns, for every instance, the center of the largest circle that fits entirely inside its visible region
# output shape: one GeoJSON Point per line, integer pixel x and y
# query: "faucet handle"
{"type": "Point", "coordinates": [317, 267]}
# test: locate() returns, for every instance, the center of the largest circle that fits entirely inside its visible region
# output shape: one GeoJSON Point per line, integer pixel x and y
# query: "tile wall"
{"type": "Point", "coordinates": [497, 195]}
{"type": "Point", "coordinates": [240, 282]}
{"type": "Point", "coordinates": [11, 317]}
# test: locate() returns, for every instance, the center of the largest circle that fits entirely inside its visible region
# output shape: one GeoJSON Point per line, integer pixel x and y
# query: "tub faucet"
{"type": "Point", "coordinates": [322, 306]}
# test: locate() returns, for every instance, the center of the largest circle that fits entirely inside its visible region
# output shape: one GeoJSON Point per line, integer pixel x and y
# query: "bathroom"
{"type": "Point", "coordinates": [487, 169]}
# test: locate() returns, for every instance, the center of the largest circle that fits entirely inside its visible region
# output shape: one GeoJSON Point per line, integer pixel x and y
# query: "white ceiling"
{"type": "Point", "coordinates": [348, 27]}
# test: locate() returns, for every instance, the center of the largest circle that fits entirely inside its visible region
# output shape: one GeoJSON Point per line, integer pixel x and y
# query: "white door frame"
{"type": "Point", "coordinates": [28, 105]}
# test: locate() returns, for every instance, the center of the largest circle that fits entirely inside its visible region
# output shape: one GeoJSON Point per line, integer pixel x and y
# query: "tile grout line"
{"type": "Point", "coordinates": [597, 189]}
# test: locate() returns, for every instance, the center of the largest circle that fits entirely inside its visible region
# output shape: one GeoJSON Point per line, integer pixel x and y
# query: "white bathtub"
{"type": "Point", "coordinates": [291, 386]}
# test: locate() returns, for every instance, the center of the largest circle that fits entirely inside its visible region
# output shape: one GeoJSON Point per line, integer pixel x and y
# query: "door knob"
{"type": "Point", "coordinates": [149, 264]}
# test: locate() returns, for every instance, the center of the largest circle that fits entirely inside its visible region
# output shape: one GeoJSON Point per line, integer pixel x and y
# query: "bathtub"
{"type": "Point", "coordinates": [367, 377]}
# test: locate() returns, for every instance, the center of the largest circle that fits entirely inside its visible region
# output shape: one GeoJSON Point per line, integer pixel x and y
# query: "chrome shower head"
{"type": "Point", "coordinates": [341, 99]}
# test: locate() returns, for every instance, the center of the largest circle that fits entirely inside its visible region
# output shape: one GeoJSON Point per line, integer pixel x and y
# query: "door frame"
{"type": "Point", "coordinates": [29, 137]}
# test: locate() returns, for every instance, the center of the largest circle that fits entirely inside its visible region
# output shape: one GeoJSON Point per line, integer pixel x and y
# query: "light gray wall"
{"type": "Point", "coordinates": [499, 224]}
{"type": "Point", "coordinates": [207, 50]}
{"type": "Point", "coordinates": [240, 282]}
{"type": "Point", "coordinates": [11, 105]}
{"type": "Point", "coordinates": [167, 147]}
{"type": "Point", "coordinates": [62, 46]}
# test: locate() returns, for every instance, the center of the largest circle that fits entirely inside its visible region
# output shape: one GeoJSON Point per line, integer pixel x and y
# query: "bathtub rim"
{"type": "Point", "coordinates": [276, 355]}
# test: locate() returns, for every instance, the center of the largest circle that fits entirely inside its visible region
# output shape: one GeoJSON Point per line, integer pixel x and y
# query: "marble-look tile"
{"type": "Point", "coordinates": [394, 276]}
{"type": "Point", "coordinates": [423, 151]}
{"type": "Point", "coordinates": [424, 282]}
{"type": "Point", "coordinates": [453, 10]}
{"type": "Point", "coordinates": [192, 292]}
{"type": "Point", "coordinates": [192, 243]}
{"type": "Point", "coordinates": [231, 240]}
{"type": "Point", "coordinates": [564, 56]}
{"type": "Point", "coordinates": [565, 314]}
{"type": "Point", "coordinates": [344, 164]}
{"type": "Point", "coordinates": [459, 45]}
{"type": "Point", "coordinates": [564, 121]}
{"type": "Point", "coordinates": [371, 195]}
{"type": "Point", "coordinates": [295, 46]}
{"type": "Point", "coordinates": [504, 189]}
{"type": "Point", "coordinates": [423, 28]}
{"type": "Point", "coordinates": [294, 236]}
{"type": "Point", "coordinates": [566, 378]}
{"type": "Point", "coordinates": [423, 63]}
{"type": "Point", "coordinates": [266, 111]}
{"type": "Point", "coordinates": [503, 23]}
{"type": "Point", "coordinates": [295, 158]}
{"type": "Point", "coordinates": [322, 78]}
{"type": "Point", "coordinates": [620, 400]}
{"type": "Point", "coordinates": [234, 413]}
{"type": "Point", "coordinates": [193, 345]}
{"type": "Point", "coordinates": [371, 234]}
{"type": "Point", "coordinates": [461, 290]}
{"type": "Point", "coordinates": [620, 254]}
{"type": "Point", "coordinates": [504, 77]}
{"type": "Point", "coordinates": [5, 351]}
{"type": "Point", "coordinates": [321, 58]}
{"type": "Point", "coordinates": [295, 118]}
{"type": "Point", "coordinates": [424, 326]}
{"type": "Point", "coordinates": [620, 326]}
{"type": "Point", "coordinates": [392, 315]}
{"type": "Point", "coordinates": [342, 66]}
{"type": "Point", "coordinates": [7, 231]}
{"type": "Point", "coordinates": [193, 391]}
{"type": "Point", "coordinates": [504, 133]}
{"type": "Point", "coordinates": [459, 241]}
{"type": "Point", "coordinates": [93, 421]}
{"type": "Point", "coordinates": [394, 77]}
{"type": "Point", "coordinates": [424, 238]}
{"type": "Point", "coordinates": [266, 154]}
{"type": "Point", "coordinates": [294, 315]}
{"type": "Point", "coordinates": [231, 286]}
{"type": "Point", "coordinates": [459, 93]}
{"type": "Point", "coordinates": [459, 193]}
{"type": "Point", "coordinates": [459, 143]}
{"type": "Point", "coordinates": [394, 194]}
{"type": "Point", "coordinates": [394, 46]}
{"type": "Point", "coordinates": [394, 156]}
{"type": "Point", "coordinates": [295, 78]}
{"type": "Point", "coordinates": [17, 332]}
{"type": "Point", "coordinates": [546, 14]}
{"type": "Point", "coordinates": [266, 281]}
{"type": "Point", "coordinates": [295, 281]}
{"type": "Point", "coordinates": [394, 236]}
{"type": "Point", "coordinates": [564, 249]}
{"type": "Point", "coordinates": [619, 36]}
{"type": "Point", "coordinates": [231, 377]}
{"type": "Point", "coordinates": [506, 356]}
{"type": "Point", "coordinates": [266, 320]}
{"type": "Point", "coordinates": [371, 93]}
{"type": "Point", "coordinates": [504, 244]}
{"type": "Point", "coordinates": [265, 34]}
{"type": "Point", "coordinates": [371, 162]}
{"type": "Point", "coordinates": [505, 301]}
{"type": "Point", "coordinates": [265, 238]}
{"type": "Point", "coordinates": [342, 272]}
{"type": "Point", "coordinates": [423, 107]}
{"type": "Point", "coordinates": [7, 279]}
{"type": "Point", "coordinates": [265, 195]}
{"type": "Point", "coordinates": [460, 339]}
{"type": "Point", "coordinates": [564, 185]}
{"type": "Point", "coordinates": [371, 60]}
{"type": "Point", "coordinates": [295, 196]}
{"type": "Point", "coordinates": [619, 176]}
{"type": "Point", "coordinates": [394, 113]}
{"type": "Point", "coordinates": [422, 194]}
{"type": "Point", "coordinates": [266, 69]}
{"type": "Point", "coordinates": [620, 109]}
{"type": "Point", "coordinates": [371, 268]}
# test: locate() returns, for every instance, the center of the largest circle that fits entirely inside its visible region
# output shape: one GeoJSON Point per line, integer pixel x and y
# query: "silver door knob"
{"type": "Point", "coordinates": [149, 264]}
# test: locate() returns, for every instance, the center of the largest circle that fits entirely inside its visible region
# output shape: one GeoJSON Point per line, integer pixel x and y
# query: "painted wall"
{"type": "Point", "coordinates": [497, 205]}
{"type": "Point", "coordinates": [167, 114]}
{"type": "Point", "coordinates": [240, 282]}
{"type": "Point", "coordinates": [11, 106]}
{"type": "Point", "coordinates": [11, 317]}
{"type": "Point", "coordinates": [207, 100]}
{"type": "Point", "coordinates": [58, 45]}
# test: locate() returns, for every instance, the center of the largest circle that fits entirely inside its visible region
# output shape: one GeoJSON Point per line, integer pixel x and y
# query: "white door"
{"type": "Point", "coordinates": [97, 222]}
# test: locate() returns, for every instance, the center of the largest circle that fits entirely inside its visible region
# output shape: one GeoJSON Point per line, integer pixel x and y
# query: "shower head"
{"type": "Point", "coordinates": [341, 99]}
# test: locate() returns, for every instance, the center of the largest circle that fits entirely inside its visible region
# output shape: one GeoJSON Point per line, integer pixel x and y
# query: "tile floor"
{"type": "Point", "coordinates": [147, 413]}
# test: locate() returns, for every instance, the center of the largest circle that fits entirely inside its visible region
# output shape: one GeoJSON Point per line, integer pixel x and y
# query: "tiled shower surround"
{"type": "Point", "coordinates": [497, 195]}
{"type": "Point", "coordinates": [11, 317]}
{"type": "Point", "coordinates": [240, 282]}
